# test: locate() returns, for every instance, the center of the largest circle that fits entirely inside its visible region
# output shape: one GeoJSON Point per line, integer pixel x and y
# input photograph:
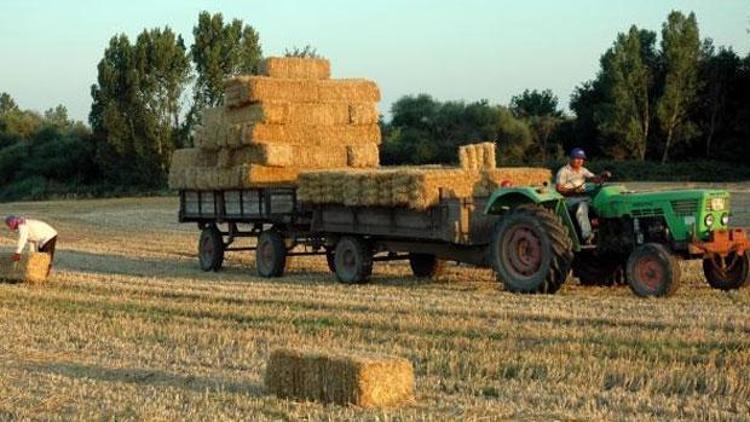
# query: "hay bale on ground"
{"type": "Point", "coordinates": [296, 68]}
{"type": "Point", "coordinates": [365, 380]}
{"type": "Point", "coordinates": [32, 268]}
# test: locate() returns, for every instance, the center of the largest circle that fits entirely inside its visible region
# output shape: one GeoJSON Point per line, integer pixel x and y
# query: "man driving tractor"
{"type": "Point", "coordinates": [570, 182]}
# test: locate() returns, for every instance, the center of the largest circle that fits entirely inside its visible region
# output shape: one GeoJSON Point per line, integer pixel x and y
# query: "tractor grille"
{"type": "Point", "coordinates": [685, 207]}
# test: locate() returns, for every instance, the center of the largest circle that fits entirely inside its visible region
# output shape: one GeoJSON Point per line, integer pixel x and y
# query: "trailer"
{"type": "Point", "coordinates": [351, 238]}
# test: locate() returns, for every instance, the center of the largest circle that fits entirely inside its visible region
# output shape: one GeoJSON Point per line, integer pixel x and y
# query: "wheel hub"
{"type": "Point", "coordinates": [523, 249]}
{"type": "Point", "coordinates": [650, 272]}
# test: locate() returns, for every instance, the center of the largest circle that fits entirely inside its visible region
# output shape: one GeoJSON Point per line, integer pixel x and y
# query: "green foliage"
{"type": "Point", "coordinates": [535, 103]}
{"type": "Point", "coordinates": [680, 53]}
{"type": "Point", "coordinates": [627, 81]}
{"type": "Point", "coordinates": [221, 50]}
{"type": "Point", "coordinates": [136, 105]}
{"type": "Point", "coordinates": [306, 52]}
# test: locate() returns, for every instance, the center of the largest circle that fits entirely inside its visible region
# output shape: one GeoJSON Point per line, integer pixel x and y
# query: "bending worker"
{"type": "Point", "coordinates": [571, 183]}
{"type": "Point", "coordinates": [37, 233]}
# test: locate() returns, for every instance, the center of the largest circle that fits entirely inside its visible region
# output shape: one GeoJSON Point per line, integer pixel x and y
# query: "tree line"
{"type": "Point", "coordinates": [683, 99]}
{"type": "Point", "coordinates": [678, 99]}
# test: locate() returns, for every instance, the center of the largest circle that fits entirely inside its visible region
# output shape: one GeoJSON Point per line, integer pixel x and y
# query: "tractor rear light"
{"type": "Point", "coordinates": [709, 220]}
{"type": "Point", "coordinates": [725, 219]}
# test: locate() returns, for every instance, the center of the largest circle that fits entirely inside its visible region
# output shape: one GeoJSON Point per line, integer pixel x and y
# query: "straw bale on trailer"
{"type": "Point", "coordinates": [287, 155]}
{"type": "Point", "coordinates": [242, 90]}
{"type": "Point", "coordinates": [193, 157]}
{"type": "Point", "coordinates": [365, 380]}
{"type": "Point", "coordinates": [312, 135]}
{"type": "Point", "coordinates": [32, 268]}
{"type": "Point", "coordinates": [315, 114]}
{"type": "Point", "coordinates": [253, 175]}
{"type": "Point", "coordinates": [412, 187]}
{"type": "Point", "coordinates": [362, 156]}
{"type": "Point", "coordinates": [296, 68]}
{"type": "Point", "coordinates": [477, 156]}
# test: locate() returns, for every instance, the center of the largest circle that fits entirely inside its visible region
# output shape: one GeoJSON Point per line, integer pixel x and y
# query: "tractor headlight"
{"type": "Point", "coordinates": [709, 220]}
{"type": "Point", "coordinates": [725, 219]}
{"type": "Point", "coordinates": [718, 204]}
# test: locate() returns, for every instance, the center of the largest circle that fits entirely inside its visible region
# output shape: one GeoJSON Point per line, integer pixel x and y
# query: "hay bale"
{"type": "Point", "coordinates": [311, 135]}
{"type": "Point", "coordinates": [243, 90]}
{"type": "Point", "coordinates": [32, 268]}
{"type": "Point", "coordinates": [296, 68]}
{"type": "Point", "coordinates": [477, 156]}
{"type": "Point", "coordinates": [365, 380]}
{"type": "Point", "coordinates": [193, 157]}
{"type": "Point", "coordinates": [490, 155]}
{"type": "Point", "coordinates": [252, 175]}
{"type": "Point", "coordinates": [363, 156]}
{"type": "Point", "coordinates": [363, 113]}
{"type": "Point", "coordinates": [348, 91]}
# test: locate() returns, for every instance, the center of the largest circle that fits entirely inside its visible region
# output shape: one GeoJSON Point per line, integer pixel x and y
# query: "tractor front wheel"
{"type": "Point", "coordinates": [728, 273]}
{"type": "Point", "coordinates": [531, 251]}
{"type": "Point", "coordinates": [653, 271]}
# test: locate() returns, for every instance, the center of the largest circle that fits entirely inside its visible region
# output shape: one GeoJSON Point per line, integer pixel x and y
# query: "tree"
{"type": "Point", "coordinates": [681, 49]}
{"type": "Point", "coordinates": [135, 110]}
{"type": "Point", "coordinates": [719, 72]}
{"type": "Point", "coordinates": [219, 51]}
{"type": "Point", "coordinates": [307, 52]}
{"type": "Point", "coordinates": [535, 103]}
{"type": "Point", "coordinates": [627, 77]}
{"type": "Point", "coordinates": [7, 104]}
{"type": "Point", "coordinates": [513, 136]}
{"type": "Point", "coordinates": [57, 117]}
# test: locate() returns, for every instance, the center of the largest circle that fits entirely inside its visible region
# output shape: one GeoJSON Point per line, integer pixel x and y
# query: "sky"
{"type": "Point", "coordinates": [453, 50]}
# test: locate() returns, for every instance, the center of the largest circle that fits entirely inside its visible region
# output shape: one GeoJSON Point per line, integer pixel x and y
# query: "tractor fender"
{"type": "Point", "coordinates": [508, 198]}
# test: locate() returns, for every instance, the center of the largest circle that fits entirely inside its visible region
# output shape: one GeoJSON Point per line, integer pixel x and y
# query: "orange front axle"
{"type": "Point", "coordinates": [721, 242]}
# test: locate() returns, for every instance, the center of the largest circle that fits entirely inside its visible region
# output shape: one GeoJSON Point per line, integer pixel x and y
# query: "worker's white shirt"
{"type": "Point", "coordinates": [35, 232]}
{"type": "Point", "coordinates": [570, 178]}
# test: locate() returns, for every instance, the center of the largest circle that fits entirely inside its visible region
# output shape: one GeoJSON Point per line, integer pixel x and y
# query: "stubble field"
{"type": "Point", "coordinates": [130, 328]}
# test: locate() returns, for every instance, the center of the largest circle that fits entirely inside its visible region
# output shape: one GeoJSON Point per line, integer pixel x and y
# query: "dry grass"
{"type": "Point", "coordinates": [129, 328]}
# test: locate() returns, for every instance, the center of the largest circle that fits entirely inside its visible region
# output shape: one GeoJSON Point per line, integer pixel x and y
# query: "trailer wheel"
{"type": "Point", "coordinates": [728, 273]}
{"type": "Point", "coordinates": [425, 265]}
{"type": "Point", "coordinates": [352, 260]}
{"type": "Point", "coordinates": [653, 271]}
{"type": "Point", "coordinates": [270, 255]}
{"type": "Point", "coordinates": [210, 249]}
{"type": "Point", "coordinates": [330, 260]}
{"type": "Point", "coordinates": [531, 251]}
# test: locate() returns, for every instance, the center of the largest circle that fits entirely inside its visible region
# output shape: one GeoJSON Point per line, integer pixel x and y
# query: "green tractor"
{"type": "Point", "coordinates": [639, 237]}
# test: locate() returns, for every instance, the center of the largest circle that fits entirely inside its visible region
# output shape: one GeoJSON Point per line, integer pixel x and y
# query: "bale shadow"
{"type": "Point", "coordinates": [140, 376]}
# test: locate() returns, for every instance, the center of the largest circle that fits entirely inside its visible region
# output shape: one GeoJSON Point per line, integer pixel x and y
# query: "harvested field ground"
{"type": "Point", "coordinates": [130, 328]}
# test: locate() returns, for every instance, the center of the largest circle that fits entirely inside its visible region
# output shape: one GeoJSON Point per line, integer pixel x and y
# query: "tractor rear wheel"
{"type": "Point", "coordinates": [211, 249]}
{"type": "Point", "coordinates": [425, 265]}
{"type": "Point", "coordinates": [728, 273]}
{"type": "Point", "coordinates": [531, 251]}
{"type": "Point", "coordinates": [599, 270]}
{"type": "Point", "coordinates": [353, 260]}
{"type": "Point", "coordinates": [270, 255]}
{"type": "Point", "coordinates": [653, 271]}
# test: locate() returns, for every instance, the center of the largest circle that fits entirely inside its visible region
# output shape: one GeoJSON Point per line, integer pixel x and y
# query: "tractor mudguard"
{"type": "Point", "coordinates": [505, 199]}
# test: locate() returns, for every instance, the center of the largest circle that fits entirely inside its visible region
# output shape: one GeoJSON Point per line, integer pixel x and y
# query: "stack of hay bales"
{"type": "Point", "coordinates": [32, 268]}
{"type": "Point", "coordinates": [362, 380]}
{"type": "Point", "coordinates": [416, 187]}
{"type": "Point", "coordinates": [272, 127]}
